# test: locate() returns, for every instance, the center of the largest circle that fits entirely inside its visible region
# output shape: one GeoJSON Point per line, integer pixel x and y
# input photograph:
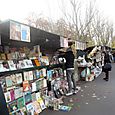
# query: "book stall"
{"type": "Point", "coordinates": [30, 80]}
{"type": "Point", "coordinates": [90, 64]}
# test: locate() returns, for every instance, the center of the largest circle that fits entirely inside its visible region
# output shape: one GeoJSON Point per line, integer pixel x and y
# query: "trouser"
{"type": "Point", "coordinates": [71, 80]}
{"type": "Point", "coordinates": [107, 74]}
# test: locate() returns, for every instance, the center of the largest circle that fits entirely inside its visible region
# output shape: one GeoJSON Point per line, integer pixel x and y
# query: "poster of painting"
{"type": "Point", "coordinates": [25, 33]}
{"type": "Point", "coordinates": [19, 32]}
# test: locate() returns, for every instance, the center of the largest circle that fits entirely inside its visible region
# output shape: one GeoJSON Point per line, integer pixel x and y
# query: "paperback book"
{"type": "Point", "coordinates": [27, 97]}
{"type": "Point", "coordinates": [13, 106]}
{"type": "Point", "coordinates": [30, 109]}
{"type": "Point", "coordinates": [20, 103]}
{"type": "Point", "coordinates": [26, 86]}
{"type": "Point", "coordinates": [11, 65]}
{"type": "Point", "coordinates": [42, 105]}
{"type": "Point", "coordinates": [18, 78]}
{"type": "Point", "coordinates": [18, 92]}
{"type": "Point", "coordinates": [7, 96]}
{"type": "Point", "coordinates": [12, 94]}
{"type": "Point", "coordinates": [8, 80]}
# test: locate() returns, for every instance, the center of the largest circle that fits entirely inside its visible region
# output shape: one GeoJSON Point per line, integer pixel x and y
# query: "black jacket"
{"type": "Point", "coordinates": [69, 56]}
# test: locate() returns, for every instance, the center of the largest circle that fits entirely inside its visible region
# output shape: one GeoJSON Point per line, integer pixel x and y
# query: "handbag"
{"type": "Point", "coordinates": [107, 67]}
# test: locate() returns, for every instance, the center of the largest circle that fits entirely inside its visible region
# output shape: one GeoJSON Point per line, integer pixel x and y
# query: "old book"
{"type": "Point", "coordinates": [37, 107]}
{"type": "Point", "coordinates": [42, 105]}
{"type": "Point", "coordinates": [13, 77]}
{"type": "Point", "coordinates": [7, 96]}
{"type": "Point", "coordinates": [12, 94]}
{"type": "Point", "coordinates": [18, 78]}
{"type": "Point", "coordinates": [33, 97]}
{"type": "Point", "coordinates": [26, 86]}
{"type": "Point", "coordinates": [13, 106]}
{"type": "Point", "coordinates": [20, 103]}
{"type": "Point", "coordinates": [27, 97]}
{"type": "Point", "coordinates": [30, 109]}
{"type": "Point", "coordinates": [11, 65]}
{"type": "Point", "coordinates": [18, 92]}
{"type": "Point", "coordinates": [8, 81]}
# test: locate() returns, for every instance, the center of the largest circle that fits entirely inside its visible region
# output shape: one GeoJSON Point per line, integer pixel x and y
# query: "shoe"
{"type": "Point", "coordinates": [105, 79]}
{"type": "Point", "coordinates": [68, 94]}
{"type": "Point", "coordinates": [76, 91]}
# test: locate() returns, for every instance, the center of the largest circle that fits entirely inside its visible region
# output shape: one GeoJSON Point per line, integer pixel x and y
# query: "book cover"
{"type": "Point", "coordinates": [3, 56]}
{"type": "Point", "coordinates": [18, 92]}
{"type": "Point", "coordinates": [27, 97]}
{"type": "Point", "coordinates": [5, 66]}
{"type": "Point", "coordinates": [37, 107]}
{"type": "Point", "coordinates": [37, 85]}
{"type": "Point", "coordinates": [20, 103]}
{"type": "Point", "coordinates": [23, 111]}
{"type": "Point", "coordinates": [37, 73]}
{"type": "Point", "coordinates": [42, 105]}
{"type": "Point", "coordinates": [31, 76]}
{"type": "Point", "coordinates": [7, 96]}
{"type": "Point", "coordinates": [49, 74]}
{"type": "Point", "coordinates": [26, 86]}
{"type": "Point", "coordinates": [37, 63]}
{"type": "Point", "coordinates": [44, 83]}
{"type": "Point", "coordinates": [44, 72]}
{"type": "Point", "coordinates": [38, 95]}
{"type": "Point", "coordinates": [13, 106]}
{"type": "Point", "coordinates": [8, 80]}
{"type": "Point", "coordinates": [11, 65]}
{"type": "Point", "coordinates": [13, 77]}
{"type": "Point", "coordinates": [34, 87]}
{"type": "Point", "coordinates": [28, 63]}
{"type": "Point", "coordinates": [18, 78]}
{"type": "Point", "coordinates": [30, 109]}
{"type": "Point", "coordinates": [33, 97]}
{"type": "Point", "coordinates": [1, 67]}
{"type": "Point", "coordinates": [12, 94]}
{"type": "Point", "coordinates": [22, 64]}
{"type": "Point", "coordinates": [26, 76]}
{"type": "Point", "coordinates": [9, 56]}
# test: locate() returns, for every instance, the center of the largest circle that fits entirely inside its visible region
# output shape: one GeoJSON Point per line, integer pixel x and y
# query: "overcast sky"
{"type": "Point", "coordinates": [19, 9]}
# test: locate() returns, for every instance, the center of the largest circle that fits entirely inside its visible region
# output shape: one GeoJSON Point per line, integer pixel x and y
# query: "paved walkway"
{"type": "Point", "coordinates": [95, 98]}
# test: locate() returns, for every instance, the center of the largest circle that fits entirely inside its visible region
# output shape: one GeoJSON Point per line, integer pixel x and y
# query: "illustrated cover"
{"type": "Point", "coordinates": [7, 96]}
{"type": "Point", "coordinates": [20, 103]}
{"type": "Point", "coordinates": [28, 63]}
{"type": "Point", "coordinates": [22, 64]}
{"type": "Point", "coordinates": [11, 65]}
{"type": "Point", "coordinates": [31, 76]}
{"type": "Point", "coordinates": [44, 72]}
{"type": "Point", "coordinates": [26, 76]}
{"type": "Point", "coordinates": [64, 108]}
{"type": "Point", "coordinates": [37, 107]}
{"type": "Point", "coordinates": [9, 56]}
{"type": "Point", "coordinates": [42, 105]}
{"type": "Point", "coordinates": [37, 63]}
{"type": "Point", "coordinates": [5, 66]}
{"type": "Point", "coordinates": [45, 60]}
{"type": "Point", "coordinates": [26, 86]}
{"type": "Point", "coordinates": [12, 94]}
{"type": "Point", "coordinates": [8, 80]}
{"type": "Point", "coordinates": [13, 77]}
{"type": "Point", "coordinates": [34, 87]}
{"type": "Point", "coordinates": [49, 74]}
{"type": "Point", "coordinates": [33, 97]}
{"type": "Point", "coordinates": [37, 73]}
{"type": "Point", "coordinates": [18, 92]}
{"type": "Point", "coordinates": [13, 106]}
{"type": "Point", "coordinates": [27, 97]}
{"type": "Point", "coordinates": [38, 95]}
{"type": "Point", "coordinates": [3, 56]}
{"type": "Point", "coordinates": [1, 67]}
{"type": "Point", "coordinates": [30, 109]}
{"type": "Point", "coordinates": [19, 78]}
{"type": "Point", "coordinates": [23, 111]}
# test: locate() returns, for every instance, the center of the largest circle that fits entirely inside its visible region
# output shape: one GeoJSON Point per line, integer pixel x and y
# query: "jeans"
{"type": "Point", "coordinates": [71, 80]}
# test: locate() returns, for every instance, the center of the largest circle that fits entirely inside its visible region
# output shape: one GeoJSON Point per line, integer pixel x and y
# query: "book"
{"type": "Point", "coordinates": [18, 92]}
{"type": "Point", "coordinates": [49, 74]}
{"type": "Point", "coordinates": [33, 97]}
{"type": "Point", "coordinates": [20, 103]}
{"type": "Point", "coordinates": [30, 109]}
{"type": "Point", "coordinates": [11, 65]}
{"type": "Point", "coordinates": [27, 97]}
{"type": "Point", "coordinates": [22, 64]}
{"type": "Point", "coordinates": [26, 76]}
{"type": "Point", "coordinates": [42, 105]}
{"type": "Point", "coordinates": [44, 60]}
{"type": "Point", "coordinates": [18, 78]}
{"type": "Point", "coordinates": [7, 97]}
{"type": "Point", "coordinates": [44, 83]}
{"type": "Point", "coordinates": [37, 107]}
{"type": "Point", "coordinates": [28, 63]}
{"type": "Point", "coordinates": [12, 94]}
{"type": "Point", "coordinates": [31, 76]}
{"type": "Point", "coordinates": [5, 66]}
{"type": "Point", "coordinates": [8, 80]}
{"type": "Point", "coordinates": [1, 67]}
{"type": "Point", "coordinates": [23, 111]}
{"type": "Point", "coordinates": [13, 77]}
{"type": "Point", "coordinates": [9, 56]}
{"type": "Point", "coordinates": [38, 95]}
{"type": "Point", "coordinates": [64, 108]}
{"type": "Point", "coordinates": [37, 74]}
{"type": "Point", "coordinates": [37, 63]}
{"type": "Point", "coordinates": [26, 86]}
{"type": "Point", "coordinates": [13, 106]}
{"type": "Point", "coordinates": [3, 56]}
{"type": "Point", "coordinates": [44, 72]}
{"type": "Point", "coordinates": [34, 87]}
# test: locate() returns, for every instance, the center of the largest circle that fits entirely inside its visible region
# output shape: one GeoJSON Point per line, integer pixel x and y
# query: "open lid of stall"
{"type": "Point", "coordinates": [31, 36]}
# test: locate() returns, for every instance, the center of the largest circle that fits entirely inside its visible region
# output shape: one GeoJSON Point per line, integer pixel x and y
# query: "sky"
{"type": "Point", "coordinates": [20, 9]}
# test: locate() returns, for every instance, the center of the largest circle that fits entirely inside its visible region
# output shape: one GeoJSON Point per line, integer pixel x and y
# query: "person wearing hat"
{"type": "Point", "coordinates": [69, 65]}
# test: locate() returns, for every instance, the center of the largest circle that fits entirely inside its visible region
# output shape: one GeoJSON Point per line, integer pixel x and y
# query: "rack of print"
{"type": "Point", "coordinates": [3, 104]}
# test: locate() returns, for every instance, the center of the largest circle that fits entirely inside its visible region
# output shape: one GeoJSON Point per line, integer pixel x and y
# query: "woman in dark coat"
{"type": "Point", "coordinates": [107, 65]}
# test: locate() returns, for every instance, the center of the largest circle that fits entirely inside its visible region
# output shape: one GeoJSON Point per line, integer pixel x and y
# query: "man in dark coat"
{"type": "Point", "coordinates": [69, 65]}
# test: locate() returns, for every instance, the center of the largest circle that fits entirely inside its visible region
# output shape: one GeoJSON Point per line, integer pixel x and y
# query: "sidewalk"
{"type": "Point", "coordinates": [95, 98]}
